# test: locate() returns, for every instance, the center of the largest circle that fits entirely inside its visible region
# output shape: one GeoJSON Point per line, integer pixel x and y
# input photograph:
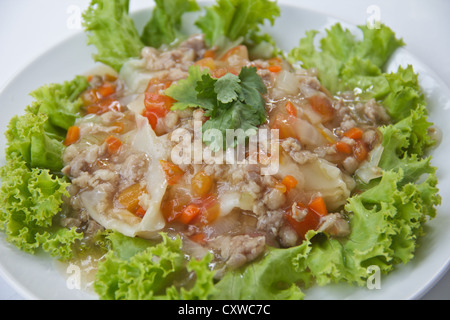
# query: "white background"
{"type": "Point", "coordinates": [29, 27]}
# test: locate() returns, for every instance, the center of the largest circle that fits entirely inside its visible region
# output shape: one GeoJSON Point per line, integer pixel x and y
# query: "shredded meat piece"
{"type": "Point", "coordinates": [238, 250]}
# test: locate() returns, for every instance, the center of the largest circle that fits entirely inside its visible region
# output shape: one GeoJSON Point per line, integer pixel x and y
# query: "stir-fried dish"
{"type": "Point", "coordinates": [195, 164]}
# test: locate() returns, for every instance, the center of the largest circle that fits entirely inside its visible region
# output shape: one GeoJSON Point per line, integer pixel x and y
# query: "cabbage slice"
{"type": "Point", "coordinates": [145, 140]}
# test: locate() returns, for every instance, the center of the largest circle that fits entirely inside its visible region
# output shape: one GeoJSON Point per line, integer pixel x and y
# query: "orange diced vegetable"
{"type": "Point", "coordinates": [240, 51]}
{"type": "Point", "coordinates": [291, 109]}
{"type": "Point", "coordinates": [172, 171]}
{"type": "Point", "coordinates": [157, 106]}
{"type": "Point", "coordinates": [290, 182]}
{"type": "Point", "coordinates": [201, 184]}
{"type": "Point", "coordinates": [354, 133]}
{"type": "Point", "coordinates": [275, 69]}
{"type": "Point", "coordinates": [281, 187]}
{"type": "Point", "coordinates": [344, 147]}
{"type": "Point", "coordinates": [210, 209]}
{"type": "Point", "coordinates": [322, 106]}
{"type": "Point", "coordinates": [310, 222]}
{"type": "Point", "coordinates": [207, 63]}
{"type": "Point", "coordinates": [113, 143]}
{"type": "Point", "coordinates": [189, 213]}
{"type": "Point", "coordinates": [209, 54]}
{"type": "Point", "coordinates": [106, 89]}
{"type": "Point", "coordinates": [73, 134]}
{"type": "Point", "coordinates": [120, 127]}
{"type": "Point", "coordinates": [360, 150]}
{"type": "Point", "coordinates": [218, 73]}
{"type": "Point", "coordinates": [318, 206]}
{"type": "Point", "coordinates": [140, 212]}
{"type": "Point", "coordinates": [199, 238]}
{"type": "Point", "coordinates": [129, 197]}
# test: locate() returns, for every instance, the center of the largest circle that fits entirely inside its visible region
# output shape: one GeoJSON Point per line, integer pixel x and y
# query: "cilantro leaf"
{"type": "Point", "coordinates": [231, 102]}
{"type": "Point", "coordinates": [228, 88]}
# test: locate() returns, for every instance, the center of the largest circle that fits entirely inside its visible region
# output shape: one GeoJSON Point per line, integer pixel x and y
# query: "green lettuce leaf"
{"type": "Point", "coordinates": [340, 52]}
{"type": "Point", "coordinates": [135, 269]}
{"type": "Point", "coordinates": [164, 26]}
{"type": "Point", "coordinates": [238, 20]}
{"type": "Point", "coordinates": [38, 135]}
{"type": "Point", "coordinates": [112, 31]}
{"type": "Point", "coordinates": [31, 199]}
{"type": "Point", "coordinates": [276, 276]}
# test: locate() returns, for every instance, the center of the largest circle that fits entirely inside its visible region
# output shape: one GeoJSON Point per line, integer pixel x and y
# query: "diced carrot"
{"type": "Point", "coordinates": [72, 136]}
{"type": "Point", "coordinates": [291, 109]}
{"type": "Point", "coordinates": [275, 61]}
{"type": "Point", "coordinates": [199, 238]}
{"type": "Point", "coordinates": [129, 197]}
{"type": "Point", "coordinates": [106, 89]}
{"type": "Point", "coordinates": [344, 147]}
{"type": "Point", "coordinates": [240, 51]}
{"type": "Point", "coordinates": [290, 182]}
{"type": "Point", "coordinates": [189, 213]}
{"type": "Point", "coordinates": [360, 150]}
{"type": "Point", "coordinates": [318, 206]}
{"type": "Point", "coordinates": [218, 73]}
{"type": "Point", "coordinates": [210, 209]}
{"type": "Point", "coordinates": [206, 63]}
{"type": "Point", "coordinates": [275, 69]}
{"type": "Point", "coordinates": [140, 212]}
{"type": "Point", "coordinates": [322, 106]}
{"type": "Point", "coordinates": [120, 127]}
{"type": "Point", "coordinates": [281, 187]}
{"type": "Point", "coordinates": [113, 143]}
{"type": "Point", "coordinates": [311, 221]}
{"type": "Point", "coordinates": [201, 184]}
{"type": "Point", "coordinates": [354, 133]}
{"type": "Point", "coordinates": [209, 54]}
{"type": "Point", "coordinates": [172, 171]}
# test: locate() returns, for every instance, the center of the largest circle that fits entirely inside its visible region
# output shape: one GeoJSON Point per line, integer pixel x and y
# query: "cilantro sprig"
{"type": "Point", "coordinates": [230, 102]}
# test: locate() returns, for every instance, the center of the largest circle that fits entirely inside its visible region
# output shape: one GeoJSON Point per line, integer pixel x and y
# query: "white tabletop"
{"type": "Point", "coordinates": [29, 27]}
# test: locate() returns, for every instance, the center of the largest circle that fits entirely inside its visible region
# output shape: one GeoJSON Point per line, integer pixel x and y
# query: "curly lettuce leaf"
{"type": "Point", "coordinates": [274, 277]}
{"type": "Point", "coordinates": [135, 269]}
{"type": "Point", "coordinates": [31, 198]}
{"type": "Point", "coordinates": [38, 135]}
{"type": "Point", "coordinates": [238, 20]}
{"type": "Point", "coordinates": [112, 31]}
{"type": "Point", "coordinates": [164, 26]}
{"type": "Point", "coordinates": [340, 52]}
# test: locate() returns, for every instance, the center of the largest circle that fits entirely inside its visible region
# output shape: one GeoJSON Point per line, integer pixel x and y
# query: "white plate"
{"type": "Point", "coordinates": [38, 277]}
